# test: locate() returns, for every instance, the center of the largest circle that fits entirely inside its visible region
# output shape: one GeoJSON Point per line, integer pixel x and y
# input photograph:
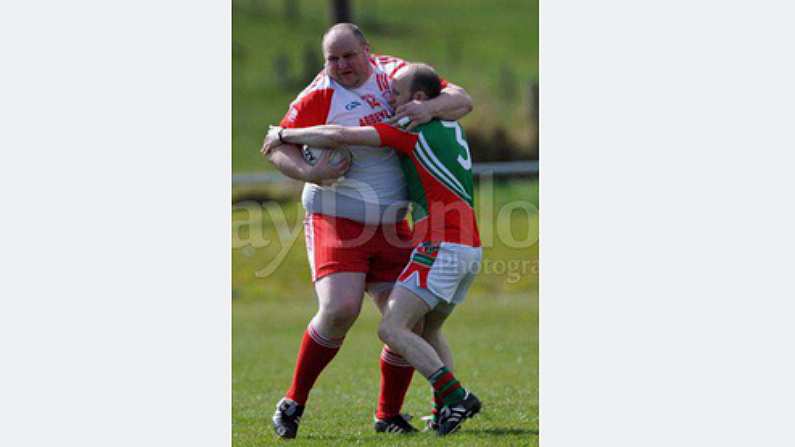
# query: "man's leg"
{"type": "Point", "coordinates": [339, 302]}
{"type": "Point", "coordinates": [404, 309]}
{"type": "Point", "coordinates": [432, 333]}
{"type": "Point", "coordinates": [396, 372]}
{"type": "Point", "coordinates": [394, 247]}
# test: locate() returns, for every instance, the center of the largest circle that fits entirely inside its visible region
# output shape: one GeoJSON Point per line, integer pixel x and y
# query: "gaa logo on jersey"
{"type": "Point", "coordinates": [352, 105]}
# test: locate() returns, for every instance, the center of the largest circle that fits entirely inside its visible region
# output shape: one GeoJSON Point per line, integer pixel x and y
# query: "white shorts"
{"type": "Point", "coordinates": [441, 272]}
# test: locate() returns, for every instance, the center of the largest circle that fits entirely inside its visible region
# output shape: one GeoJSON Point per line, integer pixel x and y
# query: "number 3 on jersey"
{"type": "Point", "coordinates": [465, 162]}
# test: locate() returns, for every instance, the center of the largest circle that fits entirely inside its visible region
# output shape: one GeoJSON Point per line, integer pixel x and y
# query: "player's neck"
{"type": "Point", "coordinates": [365, 79]}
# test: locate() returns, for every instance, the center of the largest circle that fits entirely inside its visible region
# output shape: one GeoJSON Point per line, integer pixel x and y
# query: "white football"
{"type": "Point", "coordinates": [312, 154]}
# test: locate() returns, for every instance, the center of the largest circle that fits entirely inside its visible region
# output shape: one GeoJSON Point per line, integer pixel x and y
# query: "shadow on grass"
{"type": "Point", "coordinates": [486, 432]}
{"type": "Point", "coordinates": [501, 431]}
{"type": "Point", "coordinates": [358, 439]}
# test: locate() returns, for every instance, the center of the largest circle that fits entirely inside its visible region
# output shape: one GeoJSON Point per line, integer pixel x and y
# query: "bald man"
{"type": "Point", "coordinates": [357, 237]}
{"type": "Point", "coordinates": [437, 160]}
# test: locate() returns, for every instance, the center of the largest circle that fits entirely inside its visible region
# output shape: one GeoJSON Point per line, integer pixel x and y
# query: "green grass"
{"type": "Point", "coordinates": [473, 43]}
{"type": "Point", "coordinates": [494, 336]}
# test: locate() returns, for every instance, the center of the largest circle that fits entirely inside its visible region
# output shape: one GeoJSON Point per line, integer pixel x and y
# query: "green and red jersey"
{"type": "Point", "coordinates": [438, 169]}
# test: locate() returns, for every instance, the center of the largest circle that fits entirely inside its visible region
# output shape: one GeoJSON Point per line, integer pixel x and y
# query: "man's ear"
{"type": "Point", "coordinates": [419, 95]}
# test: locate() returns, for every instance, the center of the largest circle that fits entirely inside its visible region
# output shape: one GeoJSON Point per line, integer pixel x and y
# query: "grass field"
{"type": "Point", "coordinates": [494, 336]}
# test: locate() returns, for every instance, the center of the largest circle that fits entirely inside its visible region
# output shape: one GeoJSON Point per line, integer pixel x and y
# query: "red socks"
{"type": "Point", "coordinates": [396, 374]}
{"type": "Point", "coordinates": [315, 353]}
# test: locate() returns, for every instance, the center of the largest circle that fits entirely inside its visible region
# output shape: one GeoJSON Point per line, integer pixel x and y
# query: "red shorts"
{"type": "Point", "coordinates": [335, 244]}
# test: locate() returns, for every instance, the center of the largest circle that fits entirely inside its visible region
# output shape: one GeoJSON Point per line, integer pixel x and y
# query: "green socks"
{"type": "Point", "coordinates": [446, 388]}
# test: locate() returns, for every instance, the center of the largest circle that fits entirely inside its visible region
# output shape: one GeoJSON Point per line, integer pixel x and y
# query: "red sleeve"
{"type": "Point", "coordinates": [309, 109]}
{"type": "Point", "coordinates": [397, 139]}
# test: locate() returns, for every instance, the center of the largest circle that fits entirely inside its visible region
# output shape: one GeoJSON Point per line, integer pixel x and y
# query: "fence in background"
{"type": "Point", "coordinates": [495, 169]}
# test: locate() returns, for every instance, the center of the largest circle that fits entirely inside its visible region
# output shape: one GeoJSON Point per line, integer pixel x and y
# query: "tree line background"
{"type": "Point", "coordinates": [488, 47]}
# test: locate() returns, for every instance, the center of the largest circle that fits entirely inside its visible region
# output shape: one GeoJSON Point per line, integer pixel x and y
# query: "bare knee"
{"type": "Point", "coordinates": [340, 316]}
{"type": "Point", "coordinates": [388, 331]}
{"type": "Point", "coordinates": [339, 301]}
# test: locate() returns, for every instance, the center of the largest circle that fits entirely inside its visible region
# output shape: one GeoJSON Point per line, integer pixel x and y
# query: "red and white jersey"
{"type": "Point", "coordinates": [375, 182]}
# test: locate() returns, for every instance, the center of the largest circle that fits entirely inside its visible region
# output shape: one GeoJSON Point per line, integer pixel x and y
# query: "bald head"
{"type": "Point", "coordinates": [347, 55]}
{"type": "Point", "coordinates": [344, 29]}
{"type": "Point", "coordinates": [424, 79]}
{"type": "Point", "coordinates": [415, 82]}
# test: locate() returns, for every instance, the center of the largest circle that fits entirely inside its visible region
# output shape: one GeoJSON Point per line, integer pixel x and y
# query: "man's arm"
{"type": "Point", "coordinates": [452, 104]}
{"type": "Point", "coordinates": [288, 160]}
{"type": "Point", "coordinates": [330, 136]}
{"type": "Point", "coordinates": [309, 108]}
